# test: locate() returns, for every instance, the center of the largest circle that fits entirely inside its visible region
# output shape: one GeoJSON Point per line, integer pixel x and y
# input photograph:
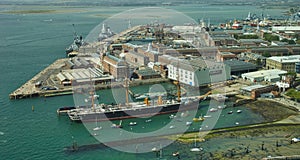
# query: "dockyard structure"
{"type": "Point", "coordinates": [151, 52]}
{"type": "Point", "coordinates": [255, 91]}
{"type": "Point", "coordinates": [82, 75]}
{"type": "Point", "coordinates": [256, 59]}
{"type": "Point", "coordinates": [136, 58]}
{"type": "Point", "coordinates": [273, 75]}
{"type": "Point", "coordinates": [222, 56]}
{"type": "Point", "coordinates": [205, 52]}
{"type": "Point", "coordinates": [279, 29]}
{"type": "Point", "coordinates": [80, 62]}
{"type": "Point", "coordinates": [238, 67]}
{"type": "Point", "coordinates": [221, 38]}
{"type": "Point", "coordinates": [295, 50]}
{"type": "Point", "coordinates": [196, 35]}
{"type": "Point", "coordinates": [251, 42]}
{"type": "Point", "coordinates": [273, 51]}
{"type": "Point", "coordinates": [278, 43]}
{"type": "Point", "coordinates": [287, 63]}
{"type": "Point", "coordinates": [198, 72]}
{"type": "Point", "coordinates": [147, 73]}
{"type": "Point", "coordinates": [117, 67]}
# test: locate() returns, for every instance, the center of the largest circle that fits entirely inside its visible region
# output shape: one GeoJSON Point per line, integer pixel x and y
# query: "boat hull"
{"type": "Point", "coordinates": [141, 112]}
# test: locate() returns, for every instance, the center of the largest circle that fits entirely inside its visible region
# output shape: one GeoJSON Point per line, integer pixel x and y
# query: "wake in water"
{"type": "Point", "coordinates": [33, 40]}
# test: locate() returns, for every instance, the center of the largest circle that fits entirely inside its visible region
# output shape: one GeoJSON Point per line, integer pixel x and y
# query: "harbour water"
{"type": "Point", "coordinates": [30, 42]}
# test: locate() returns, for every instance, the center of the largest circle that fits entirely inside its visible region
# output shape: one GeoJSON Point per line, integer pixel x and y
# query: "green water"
{"type": "Point", "coordinates": [29, 44]}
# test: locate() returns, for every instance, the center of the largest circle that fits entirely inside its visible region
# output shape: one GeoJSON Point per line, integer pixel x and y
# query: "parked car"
{"type": "Point", "coordinates": [295, 140]}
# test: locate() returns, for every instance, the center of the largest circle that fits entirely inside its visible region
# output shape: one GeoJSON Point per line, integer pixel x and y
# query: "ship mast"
{"type": "Point", "coordinates": [92, 92]}
{"type": "Point", "coordinates": [93, 105]}
{"type": "Point", "coordinates": [177, 83]}
{"type": "Point", "coordinates": [126, 84]}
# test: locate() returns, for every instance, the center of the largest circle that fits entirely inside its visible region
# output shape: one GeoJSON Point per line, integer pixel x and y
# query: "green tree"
{"type": "Point", "coordinates": [284, 40]}
{"type": "Point", "coordinates": [248, 37]}
{"type": "Point", "coordinates": [288, 41]}
{"type": "Point", "coordinates": [291, 42]}
{"type": "Point", "coordinates": [258, 62]}
{"type": "Point", "coordinates": [266, 54]}
{"type": "Point", "coordinates": [269, 37]}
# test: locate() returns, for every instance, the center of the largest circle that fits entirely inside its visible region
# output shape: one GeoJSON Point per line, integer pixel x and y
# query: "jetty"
{"type": "Point", "coordinates": [44, 84]}
{"type": "Point", "coordinates": [32, 88]}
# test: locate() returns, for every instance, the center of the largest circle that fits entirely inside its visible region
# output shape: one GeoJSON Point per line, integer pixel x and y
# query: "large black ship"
{"type": "Point", "coordinates": [105, 112]}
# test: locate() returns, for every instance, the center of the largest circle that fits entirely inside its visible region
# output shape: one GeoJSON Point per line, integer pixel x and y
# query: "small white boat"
{"type": "Point", "coordinates": [207, 116]}
{"type": "Point", "coordinates": [175, 154]}
{"type": "Point", "coordinates": [237, 123]}
{"type": "Point", "coordinates": [141, 97]}
{"type": "Point", "coordinates": [148, 120]}
{"type": "Point", "coordinates": [230, 112]}
{"type": "Point", "coordinates": [188, 123]}
{"type": "Point", "coordinates": [97, 128]}
{"type": "Point", "coordinates": [213, 110]}
{"type": "Point", "coordinates": [172, 116]}
{"type": "Point", "coordinates": [221, 107]}
{"type": "Point", "coordinates": [239, 111]}
{"type": "Point", "coordinates": [132, 123]}
{"type": "Point", "coordinates": [117, 125]}
{"type": "Point", "coordinates": [95, 134]}
{"type": "Point", "coordinates": [196, 149]}
{"type": "Point", "coordinates": [171, 127]}
{"type": "Point", "coordinates": [95, 96]}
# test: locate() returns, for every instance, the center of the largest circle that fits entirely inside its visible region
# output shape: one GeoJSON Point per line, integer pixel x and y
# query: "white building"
{"type": "Point", "coordinates": [285, 28]}
{"type": "Point", "coordinates": [198, 72]}
{"type": "Point", "coordinates": [273, 75]}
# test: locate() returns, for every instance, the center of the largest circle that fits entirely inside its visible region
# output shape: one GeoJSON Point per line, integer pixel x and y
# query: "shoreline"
{"type": "Point", "coordinates": [233, 142]}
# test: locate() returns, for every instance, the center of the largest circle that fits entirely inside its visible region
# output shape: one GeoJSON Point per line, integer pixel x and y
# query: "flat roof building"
{"type": "Point", "coordinates": [273, 75]}
{"type": "Point", "coordinates": [198, 72]}
{"type": "Point", "coordinates": [286, 63]}
{"type": "Point", "coordinates": [255, 91]}
{"type": "Point", "coordinates": [222, 56]}
{"type": "Point", "coordinates": [239, 67]}
{"type": "Point", "coordinates": [81, 75]}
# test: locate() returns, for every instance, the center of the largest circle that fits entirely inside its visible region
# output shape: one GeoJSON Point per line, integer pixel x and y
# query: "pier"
{"type": "Point", "coordinates": [44, 85]}
{"type": "Point", "coordinates": [31, 87]}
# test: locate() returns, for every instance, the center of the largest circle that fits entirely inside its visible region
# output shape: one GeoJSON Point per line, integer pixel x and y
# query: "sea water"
{"type": "Point", "coordinates": [31, 42]}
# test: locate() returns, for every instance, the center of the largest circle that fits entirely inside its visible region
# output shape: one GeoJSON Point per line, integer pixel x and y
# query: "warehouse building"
{"type": "Point", "coordinates": [286, 63]}
{"type": "Point", "coordinates": [239, 67]}
{"type": "Point", "coordinates": [273, 75]}
{"type": "Point", "coordinates": [198, 72]}
{"type": "Point", "coordinates": [82, 75]}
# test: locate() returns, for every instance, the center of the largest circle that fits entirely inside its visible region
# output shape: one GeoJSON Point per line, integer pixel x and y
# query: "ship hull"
{"type": "Point", "coordinates": [142, 112]}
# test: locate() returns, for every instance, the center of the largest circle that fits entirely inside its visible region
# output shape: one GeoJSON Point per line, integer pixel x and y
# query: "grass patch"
{"type": "Point", "coordinates": [293, 93]}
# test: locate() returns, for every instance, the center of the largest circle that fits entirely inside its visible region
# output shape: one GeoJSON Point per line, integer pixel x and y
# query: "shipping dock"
{"type": "Point", "coordinates": [36, 86]}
